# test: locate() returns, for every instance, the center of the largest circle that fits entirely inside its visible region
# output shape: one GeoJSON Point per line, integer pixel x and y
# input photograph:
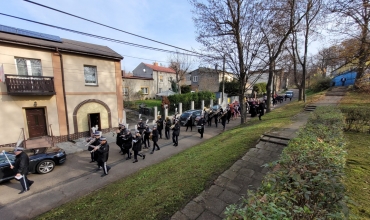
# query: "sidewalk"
{"type": "Point", "coordinates": [247, 173]}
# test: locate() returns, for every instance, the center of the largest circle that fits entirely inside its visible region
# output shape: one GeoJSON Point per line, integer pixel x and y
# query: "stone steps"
{"type": "Point", "coordinates": [310, 108]}
{"type": "Point", "coordinates": [275, 139]}
{"type": "Point", "coordinates": [44, 141]}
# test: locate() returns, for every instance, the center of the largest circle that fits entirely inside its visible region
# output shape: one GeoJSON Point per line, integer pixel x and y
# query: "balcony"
{"type": "Point", "coordinates": [29, 85]}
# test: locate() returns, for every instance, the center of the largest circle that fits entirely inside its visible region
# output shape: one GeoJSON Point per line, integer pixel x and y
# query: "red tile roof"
{"type": "Point", "coordinates": [160, 68]}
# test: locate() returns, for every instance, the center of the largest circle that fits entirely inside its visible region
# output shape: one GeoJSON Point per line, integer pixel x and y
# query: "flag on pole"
{"type": "Point", "coordinates": [2, 75]}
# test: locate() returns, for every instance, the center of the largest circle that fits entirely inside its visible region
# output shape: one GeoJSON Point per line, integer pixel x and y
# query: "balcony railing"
{"type": "Point", "coordinates": [29, 85]}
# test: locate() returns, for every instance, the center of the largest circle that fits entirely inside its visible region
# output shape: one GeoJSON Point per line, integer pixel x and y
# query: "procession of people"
{"type": "Point", "coordinates": [134, 142]}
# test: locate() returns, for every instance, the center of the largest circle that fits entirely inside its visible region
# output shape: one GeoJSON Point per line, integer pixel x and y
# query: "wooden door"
{"type": "Point", "coordinates": [36, 122]}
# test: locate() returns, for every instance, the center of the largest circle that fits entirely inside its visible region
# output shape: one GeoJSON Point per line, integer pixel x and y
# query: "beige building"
{"type": "Point", "coordinates": [133, 84]}
{"type": "Point", "coordinates": [206, 79]}
{"type": "Point", "coordinates": [161, 76]}
{"type": "Point", "coordinates": [56, 89]}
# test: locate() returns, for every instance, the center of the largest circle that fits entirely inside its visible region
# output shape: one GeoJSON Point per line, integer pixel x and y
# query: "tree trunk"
{"type": "Point", "coordinates": [268, 86]}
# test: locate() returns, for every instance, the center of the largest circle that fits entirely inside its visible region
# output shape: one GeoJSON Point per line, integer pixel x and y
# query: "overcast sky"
{"type": "Point", "coordinates": [168, 21]}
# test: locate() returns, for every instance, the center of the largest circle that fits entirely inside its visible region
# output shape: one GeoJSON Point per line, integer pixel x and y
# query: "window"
{"type": "Point", "coordinates": [161, 79]}
{"type": "Point", "coordinates": [28, 67]}
{"type": "Point", "coordinates": [195, 78]}
{"type": "Point", "coordinates": [91, 75]}
{"type": "Point", "coordinates": [125, 91]}
{"type": "Point", "coordinates": [159, 90]}
{"type": "Point", "coordinates": [145, 90]}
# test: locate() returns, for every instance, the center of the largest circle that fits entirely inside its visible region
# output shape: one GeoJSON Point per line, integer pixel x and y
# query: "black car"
{"type": "Point", "coordinates": [42, 160]}
{"type": "Point", "coordinates": [185, 115]}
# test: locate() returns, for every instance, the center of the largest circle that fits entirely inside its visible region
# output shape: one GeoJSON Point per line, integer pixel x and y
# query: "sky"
{"type": "Point", "coordinates": [167, 21]}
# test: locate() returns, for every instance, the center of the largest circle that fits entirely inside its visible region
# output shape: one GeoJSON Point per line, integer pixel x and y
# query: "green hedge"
{"type": "Point", "coordinates": [306, 182]}
{"type": "Point", "coordinates": [197, 97]}
{"type": "Point", "coordinates": [357, 118]}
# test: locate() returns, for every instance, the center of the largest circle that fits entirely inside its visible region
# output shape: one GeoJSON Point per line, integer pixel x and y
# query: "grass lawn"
{"type": "Point", "coordinates": [160, 190]}
{"type": "Point", "coordinates": [357, 180]}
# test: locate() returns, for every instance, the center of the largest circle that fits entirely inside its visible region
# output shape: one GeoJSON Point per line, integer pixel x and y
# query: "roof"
{"type": "Point", "coordinates": [67, 45]}
{"type": "Point", "coordinates": [136, 77]}
{"type": "Point", "coordinates": [160, 68]}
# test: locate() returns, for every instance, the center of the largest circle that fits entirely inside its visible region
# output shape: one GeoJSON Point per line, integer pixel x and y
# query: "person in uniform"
{"type": "Point", "coordinates": [215, 116]}
{"type": "Point", "coordinates": [127, 144]}
{"type": "Point", "coordinates": [189, 123]}
{"type": "Point", "coordinates": [95, 143]}
{"type": "Point", "coordinates": [200, 125]}
{"type": "Point", "coordinates": [119, 134]}
{"type": "Point", "coordinates": [103, 154]}
{"type": "Point", "coordinates": [223, 118]}
{"type": "Point", "coordinates": [137, 142]}
{"type": "Point", "coordinates": [176, 133]}
{"type": "Point", "coordinates": [261, 109]}
{"type": "Point", "coordinates": [155, 139]}
{"type": "Point", "coordinates": [147, 132]}
{"type": "Point", "coordinates": [167, 128]}
{"type": "Point", "coordinates": [228, 114]}
{"type": "Point", "coordinates": [141, 126]}
{"type": "Point", "coordinates": [159, 125]}
{"type": "Point", "coordinates": [21, 167]}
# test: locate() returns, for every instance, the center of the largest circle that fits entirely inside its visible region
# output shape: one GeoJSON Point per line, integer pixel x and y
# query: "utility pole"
{"type": "Point", "coordinates": [223, 78]}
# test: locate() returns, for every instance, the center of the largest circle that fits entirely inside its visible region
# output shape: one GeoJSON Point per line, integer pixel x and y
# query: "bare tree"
{"type": "Point", "coordinates": [281, 20]}
{"type": "Point", "coordinates": [230, 32]}
{"type": "Point", "coordinates": [181, 64]}
{"type": "Point", "coordinates": [355, 19]}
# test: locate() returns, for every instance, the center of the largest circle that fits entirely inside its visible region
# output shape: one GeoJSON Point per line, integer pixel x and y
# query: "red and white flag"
{"type": "Point", "coordinates": [2, 75]}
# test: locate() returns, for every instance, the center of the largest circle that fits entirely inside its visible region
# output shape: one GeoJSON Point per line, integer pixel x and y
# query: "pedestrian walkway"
{"type": "Point", "coordinates": [246, 173]}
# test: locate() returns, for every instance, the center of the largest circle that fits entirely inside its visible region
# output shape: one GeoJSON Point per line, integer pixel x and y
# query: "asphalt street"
{"type": "Point", "coordinates": [78, 177]}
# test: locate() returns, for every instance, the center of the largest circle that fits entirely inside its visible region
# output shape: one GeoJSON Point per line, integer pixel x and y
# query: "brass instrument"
{"type": "Point", "coordinates": [96, 149]}
{"type": "Point", "coordinates": [151, 136]}
{"type": "Point", "coordinates": [172, 126]}
{"type": "Point", "coordinates": [214, 113]}
{"type": "Point", "coordinates": [222, 115]}
{"type": "Point", "coordinates": [91, 141]}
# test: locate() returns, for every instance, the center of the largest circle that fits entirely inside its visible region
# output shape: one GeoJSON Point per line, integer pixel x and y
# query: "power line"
{"type": "Point", "coordinates": [99, 37]}
{"type": "Point", "coordinates": [54, 9]}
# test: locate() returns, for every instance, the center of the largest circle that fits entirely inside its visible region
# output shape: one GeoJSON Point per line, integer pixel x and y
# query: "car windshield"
{"type": "Point", "coordinates": [197, 113]}
{"type": "Point", "coordinates": [3, 159]}
{"type": "Point", "coordinates": [288, 92]}
{"type": "Point", "coordinates": [185, 114]}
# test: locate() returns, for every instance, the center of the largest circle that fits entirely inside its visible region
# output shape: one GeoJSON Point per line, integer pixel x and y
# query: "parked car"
{"type": "Point", "coordinates": [42, 160]}
{"type": "Point", "coordinates": [289, 94]}
{"type": "Point", "coordinates": [185, 115]}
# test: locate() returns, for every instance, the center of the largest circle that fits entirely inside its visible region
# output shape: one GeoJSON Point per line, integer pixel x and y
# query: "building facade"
{"type": "Point", "coordinates": [162, 77]}
{"type": "Point", "coordinates": [57, 89]}
{"type": "Point", "coordinates": [206, 79]}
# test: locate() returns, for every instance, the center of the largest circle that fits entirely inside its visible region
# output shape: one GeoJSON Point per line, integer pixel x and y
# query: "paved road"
{"type": "Point", "coordinates": [77, 177]}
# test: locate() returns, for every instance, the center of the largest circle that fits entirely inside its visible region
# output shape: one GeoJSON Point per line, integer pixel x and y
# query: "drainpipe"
{"type": "Point", "coordinates": [64, 94]}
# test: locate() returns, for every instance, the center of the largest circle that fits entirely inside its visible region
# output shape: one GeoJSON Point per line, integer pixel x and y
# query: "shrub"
{"type": "Point", "coordinates": [260, 88]}
{"type": "Point", "coordinates": [356, 118]}
{"type": "Point", "coordinates": [185, 89]}
{"type": "Point", "coordinates": [306, 182]}
{"type": "Point", "coordinates": [321, 84]}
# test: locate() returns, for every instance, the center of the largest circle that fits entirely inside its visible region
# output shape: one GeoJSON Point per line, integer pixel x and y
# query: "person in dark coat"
{"type": "Point", "coordinates": [228, 116]}
{"type": "Point", "coordinates": [159, 126]}
{"type": "Point", "coordinates": [95, 141]}
{"type": "Point", "coordinates": [261, 109]}
{"type": "Point", "coordinates": [119, 134]}
{"type": "Point", "coordinates": [127, 144]}
{"type": "Point", "coordinates": [155, 139]}
{"type": "Point", "coordinates": [224, 118]}
{"type": "Point", "coordinates": [200, 125]}
{"type": "Point", "coordinates": [254, 109]}
{"type": "Point", "coordinates": [167, 128]}
{"type": "Point", "coordinates": [21, 168]}
{"type": "Point", "coordinates": [176, 133]}
{"type": "Point", "coordinates": [147, 132]}
{"type": "Point", "coordinates": [137, 146]}
{"type": "Point", "coordinates": [141, 126]}
{"type": "Point", "coordinates": [103, 155]}
{"type": "Point", "coordinates": [189, 123]}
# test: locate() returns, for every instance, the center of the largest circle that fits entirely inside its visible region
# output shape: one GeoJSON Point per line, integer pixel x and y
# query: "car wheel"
{"type": "Point", "coordinates": [45, 166]}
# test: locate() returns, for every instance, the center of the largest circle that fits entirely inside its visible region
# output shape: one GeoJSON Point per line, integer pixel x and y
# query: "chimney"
{"type": "Point", "coordinates": [155, 64]}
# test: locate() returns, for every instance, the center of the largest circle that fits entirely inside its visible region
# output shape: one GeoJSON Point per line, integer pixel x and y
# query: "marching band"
{"type": "Point", "coordinates": [126, 141]}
